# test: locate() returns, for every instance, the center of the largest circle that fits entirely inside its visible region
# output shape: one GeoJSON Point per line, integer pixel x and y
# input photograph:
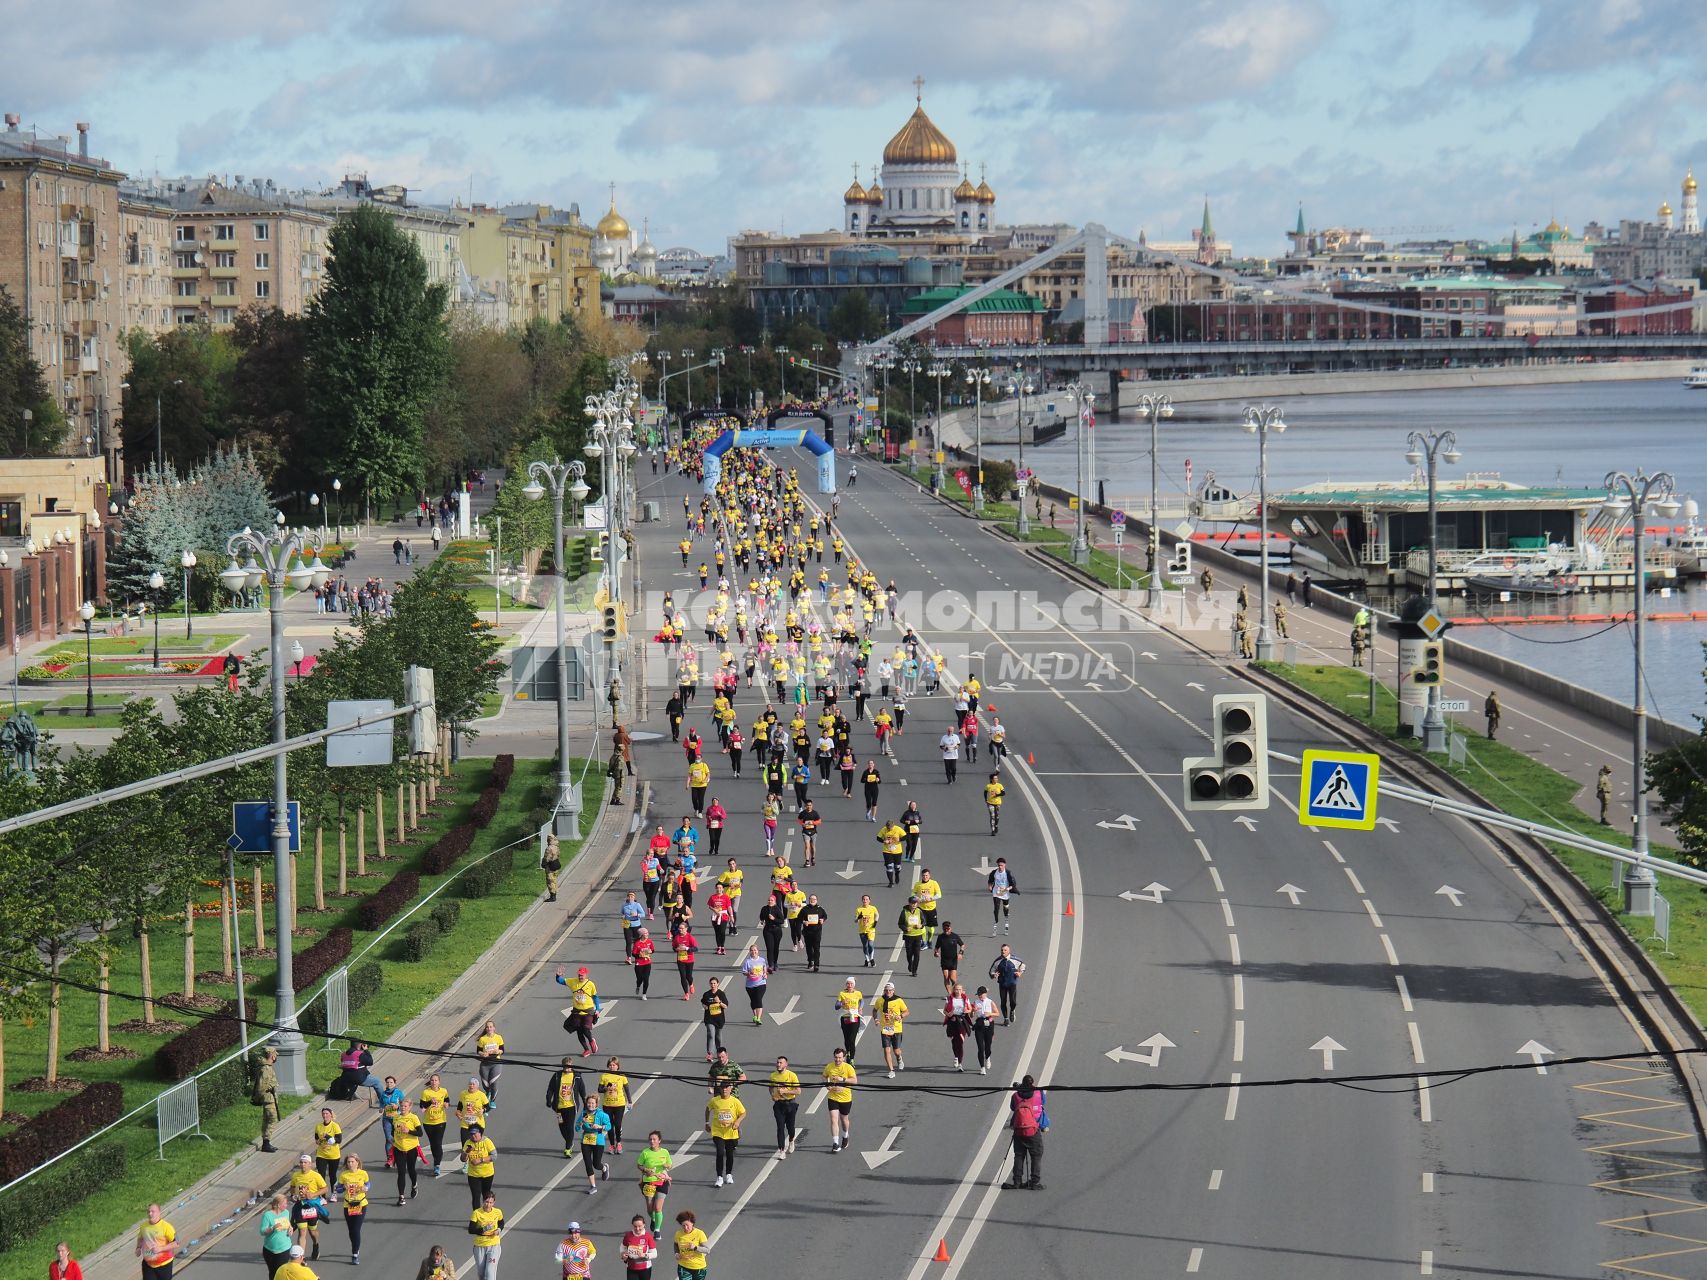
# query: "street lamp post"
{"type": "Point", "coordinates": [159, 392]}
{"type": "Point", "coordinates": [1636, 493]}
{"type": "Point", "coordinates": [87, 613]}
{"type": "Point", "coordinates": [157, 584]}
{"type": "Point", "coordinates": [1086, 400]}
{"type": "Point", "coordinates": [296, 656]}
{"type": "Point", "coordinates": [782, 372]}
{"type": "Point", "coordinates": [188, 562]}
{"type": "Point", "coordinates": [1260, 420]}
{"type": "Point", "coordinates": [717, 360]}
{"type": "Point", "coordinates": [1020, 386]}
{"type": "Point", "coordinates": [562, 477]}
{"type": "Point", "coordinates": [274, 550]}
{"type": "Point", "coordinates": [688, 356]}
{"type": "Point", "coordinates": [978, 379]}
{"type": "Point", "coordinates": [1155, 407]}
{"type": "Point", "coordinates": [338, 497]}
{"type": "Point", "coordinates": [1432, 447]}
{"type": "Point", "coordinates": [939, 370]}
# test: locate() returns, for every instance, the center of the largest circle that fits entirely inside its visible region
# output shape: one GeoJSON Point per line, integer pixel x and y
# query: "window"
{"type": "Point", "coordinates": [186, 288]}
{"type": "Point", "coordinates": [186, 261]}
{"type": "Point", "coordinates": [186, 235]}
{"type": "Point", "coordinates": [225, 231]}
{"type": "Point", "coordinates": [11, 519]}
{"type": "Point", "coordinates": [263, 289]}
{"type": "Point", "coordinates": [186, 317]}
{"type": "Point", "coordinates": [263, 261]}
{"type": "Point", "coordinates": [225, 315]}
{"type": "Point", "coordinates": [225, 258]}
{"type": "Point", "coordinates": [225, 288]}
{"type": "Point", "coordinates": [263, 231]}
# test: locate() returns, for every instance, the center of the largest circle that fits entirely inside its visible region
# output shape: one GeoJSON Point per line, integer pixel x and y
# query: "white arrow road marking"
{"type": "Point", "coordinates": [1292, 891]}
{"type": "Point", "coordinates": [1447, 891]}
{"type": "Point", "coordinates": [1148, 654]}
{"type": "Point", "coordinates": [605, 1014]}
{"type": "Point", "coordinates": [885, 1150]}
{"type": "Point", "coordinates": [1535, 1051]}
{"type": "Point", "coordinates": [681, 1155]}
{"type": "Point", "coordinates": [741, 952]}
{"type": "Point", "coordinates": [1327, 1046]}
{"type": "Point", "coordinates": [1125, 822]}
{"type": "Point", "coordinates": [1151, 892]}
{"type": "Point", "coordinates": [1155, 1044]}
{"type": "Point", "coordinates": [1192, 684]}
{"type": "Point", "coordinates": [1388, 823]}
{"type": "Point", "coordinates": [788, 1013]}
{"type": "Point", "coordinates": [1246, 821]}
{"type": "Point", "coordinates": [849, 872]}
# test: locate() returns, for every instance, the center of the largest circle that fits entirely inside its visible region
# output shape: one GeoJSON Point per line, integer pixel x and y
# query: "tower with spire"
{"type": "Point", "coordinates": [1206, 249]}
{"type": "Point", "coordinates": [1691, 210]}
{"type": "Point", "coordinates": [1300, 236]}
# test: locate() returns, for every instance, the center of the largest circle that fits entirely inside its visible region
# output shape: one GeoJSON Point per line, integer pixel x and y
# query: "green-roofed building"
{"type": "Point", "coordinates": [1000, 317]}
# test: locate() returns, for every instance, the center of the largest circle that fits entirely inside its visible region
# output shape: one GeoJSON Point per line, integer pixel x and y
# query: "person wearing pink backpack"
{"type": "Point", "coordinates": [1029, 1121]}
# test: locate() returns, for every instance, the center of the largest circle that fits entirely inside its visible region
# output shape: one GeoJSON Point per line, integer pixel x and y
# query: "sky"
{"type": "Point", "coordinates": [1444, 117]}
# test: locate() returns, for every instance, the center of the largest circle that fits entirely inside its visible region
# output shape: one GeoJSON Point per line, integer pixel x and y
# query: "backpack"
{"type": "Point", "coordinates": [1028, 1115]}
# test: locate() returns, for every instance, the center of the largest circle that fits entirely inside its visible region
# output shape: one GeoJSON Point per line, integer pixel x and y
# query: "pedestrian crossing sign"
{"type": "Point", "coordinates": [1338, 789]}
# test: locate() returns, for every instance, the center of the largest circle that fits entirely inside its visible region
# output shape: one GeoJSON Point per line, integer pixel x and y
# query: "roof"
{"type": "Point", "coordinates": [1000, 300]}
{"type": "Point", "coordinates": [1405, 495]}
{"type": "Point", "coordinates": [1491, 283]}
{"type": "Point", "coordinates": [919, 141]}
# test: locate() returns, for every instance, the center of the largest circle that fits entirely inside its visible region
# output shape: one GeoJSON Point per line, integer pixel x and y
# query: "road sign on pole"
{"type": "Point", "coordinates": [1117, 518]}
{"type": "Point", "coordinates": [252, 826]}
{"type": "Point", "coordinates": [1338, 789]}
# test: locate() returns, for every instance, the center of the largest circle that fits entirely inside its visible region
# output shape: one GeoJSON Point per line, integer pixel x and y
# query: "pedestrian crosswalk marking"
{"type": "Point", "coordinates": [1336, 793]}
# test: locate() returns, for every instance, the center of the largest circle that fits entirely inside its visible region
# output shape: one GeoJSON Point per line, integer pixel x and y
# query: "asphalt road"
{"type": "Point", "coordinates": [1222, 1173]}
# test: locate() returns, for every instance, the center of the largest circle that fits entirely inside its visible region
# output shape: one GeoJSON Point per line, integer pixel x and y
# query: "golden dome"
{"type": "Point", "coordinates": [985, 194]}
{"type": "Point", "coordinates": [919, 142]}
{"type": "Point", "coordinates": [613, 226]}
{"type": "Point", "coordinates": [1665, 208]}
{"type": "Point", "coordinates": [1553, 226]}
{"type": "Point", "coordinates": [855, 194]}
{"type": "Point", "coordinates": [1688, 179]}
{"type": "Point", "coordinates": [966, 191]}
{"type": "Point", "coordinates": [874, 193]}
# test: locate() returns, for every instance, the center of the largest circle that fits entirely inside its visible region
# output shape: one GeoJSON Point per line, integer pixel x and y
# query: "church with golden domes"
{"type": "Point", "coordinates": [617, 251]}
{"type": "Point", "coordinates": [922, 189]}
{"type": "Point", "coordinates": [1669, 247]}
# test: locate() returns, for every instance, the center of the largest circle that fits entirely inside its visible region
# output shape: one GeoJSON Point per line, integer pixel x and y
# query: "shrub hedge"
{"type": "Point", "coordinates": [386, 901]}
{"type": "Point", "coordinates": [313, 963]}
{"type": "Point", "coordinates": [483, 879]}
{"type": "Point", "coordinates": [485, 808]}
{"type": "Point", "coordinates": [419, 939]}
{"type": "Point", "coordinates": [179, 1057]}
{"type": "Point", "coordinates": [51, 1192]}
{"type": "Point", "coordinates": [446, 912]}
{"type": "Point", "coordinates": [443, 853]}
{"type": "Point", "coordinates": [366, 981]}
{"type": "Point", "coordinates": [503, 769]}
{"type": "Point", "coordinates": [59, 1128]}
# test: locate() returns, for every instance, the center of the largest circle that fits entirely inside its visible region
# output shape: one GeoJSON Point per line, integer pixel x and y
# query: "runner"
{"type": "Point", "coordinates": [891, 1012]}
{"type": "Point", "coordinates": [1002, 887]}
{"type": "Point", "coordinates": [949, 746]}
{"type": "Point", "coordinates": [584, 1006]}
{"type": "Point", "coordinates": [489, 1047]}
{"type": "Point", "coordinates": [655, 1166]}
{"type": "Point", "coordinates": [730, 881]}
{"type": "Point", "coordinates": [984, 1015]}
{"type": "Point", "coordinates": [352, 1182]}
{"type": "Point", "coordinates": [785, 1105]}
{"type": "Point", "coordinates": [275, 1229]}
{"type": "Point", "coordinates": [948, 949]}
{"type": "Point", "coordinates": [773, 919]}
{"type": "Point", "coordinates": [929, 894]}
{"type": "Point", "coordinates": [715, 816]}
{"type": "Point", "coordinates": [993, 792]}
{"type": "Point", "coordinates": [470, 1110]}
{"type": "Point", "coordinates": [486, 1225]}
{"type": "Point", "coordinates": [699, 778]}
{"type": "Point", "coordinates": [563, 1095]}
{"type": "Point", "coordinates": [871, 780]}
{"type": "Point", "coordinates": [632, 913]}
{"type": "Point", "coordinates": [912, 824]}
{"type": "Point", "coordinates": [723, 1070]}
{"type": "Point", "coordinates": [911, 923]}
{"type": "Point", "coordinates": [850, 1004]}
{"type": "Point", "coordinates": [865, 924]}
{"type": "Point", "coordinates": [810, 821]}
{"type": "Point", "coordinates": [327, 1149]}
{"type": "Point", "coordinates": [639, 1248]}
{"type": "Point", "coordinates": [692, 1245]}
{"type": "Point", "coordinates": [641, 957]}
{"type": "Point", "coordinates": [723, 1116]}
{"type": "Point", "coordinates": [756, 971]}
{"type": "Point", "coordinates": [839, 1075]}
{"type": "Point", "coordinates": [685, 948]}
{"type": "Point", "coordinates": [406, 1143]}
{"type": "Point", "coordinates": [478, 1165]}
{"type": "Point", "coordinates": [592, 1127]}
{"type": "Point", "coordinates": [576, 1254]}
{"type": "Point", "coordinates": [1006, 969]}
{"type": "Point", "coordinates": [957, 1022]}
{"type": "Point", "coordinates": [652, 868]}
{"type": "Point", "coordinates": [716, 1006]}
{"type": "Point", "coordinates": [613, 1097]}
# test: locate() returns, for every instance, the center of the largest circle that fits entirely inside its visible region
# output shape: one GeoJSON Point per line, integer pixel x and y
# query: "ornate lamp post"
{"type": "Point", "coordinates": [978, 379]}
{"type": "Point", "coordinates": [87, 613]}
{"type": "Point", "coordinates": [939, 370]}
{"type": "Point", "coordinates": [156, 584]}
{"type": "Point", "coordinates": [1020, 385]}
{"type": "Point", "coordinates": [1156, 407]}
{"type": "Point", "coordinates": [562, 477]}
{"type": "Point", "coordinates": [1086, 400]}
{"type": "Point", "coordinates": [1635, 494]}
{"type": "Point", "coordinates": [1260, 420]}
{"type": "Point", "coordinates": [188, 562]}
{"type": "Point", "coordinates": [1434, 447]}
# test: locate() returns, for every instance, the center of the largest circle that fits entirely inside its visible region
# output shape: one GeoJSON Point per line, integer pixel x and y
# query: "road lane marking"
{"type": "Point", "coordinates": [1195, 1260]}
{"type": "Point", "coordinates": [1233, 946]}
{"type": "Point", "coordinates": [1392, 956]}
{"type": "Point", "coordinates": [1428, 1182]}
{"type": "Point", "coordinates": [1329, 846]}
{"type": "Point", "coordinates": [1239, 992]}
{"type": "Point", "coordinates": [1227, 912]}
{"type": "Point", "coordinates": [1416, 1044]}
{"type": "Point", "coordinates": [1239, 1040]}
{"type": "Point", "coordinates": [1356, 884]}
{"type": "Point", "coordinates": [1404, 993]}
{"type": "Point", "coordinates": [1232, 1098]}
{"type": "Point", "coordinates": [1202, 848]}
{"type": "Point", "coordinates": [1215, 876]}
{"type": "Point", "coordinates": [1215, 1179]}
{"type": "Point", "coordinates": [1370, 908]}
{"type": "Point", "coordinates": [1425, 1101]}
{"type": "Point", "coordinates": [1427, 1266]}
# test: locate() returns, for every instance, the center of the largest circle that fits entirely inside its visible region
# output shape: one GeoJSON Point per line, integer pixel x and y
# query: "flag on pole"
{"type": "Point", "coordinates": [964, 481]}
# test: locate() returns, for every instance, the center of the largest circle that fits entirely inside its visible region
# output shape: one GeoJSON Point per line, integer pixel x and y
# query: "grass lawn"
{"type": "Point", "coordinates": [1508, 780]}
{"type": "Point", "coordinates": [142, 644]}
{"type": "Point", "coordinates": [67, 712]}
{"type": "Point", "coordinates": [408, 988]}
{"type": "Point", "coordinates": [482, 598]}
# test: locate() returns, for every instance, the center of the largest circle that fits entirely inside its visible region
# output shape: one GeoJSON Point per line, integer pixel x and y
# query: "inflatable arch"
{"type": "Point", "coordinates": [794, 411]}
{"type": "Point", "coordinates": [771, 438]}
{"type": "Point", "coordinates": [700, 415]}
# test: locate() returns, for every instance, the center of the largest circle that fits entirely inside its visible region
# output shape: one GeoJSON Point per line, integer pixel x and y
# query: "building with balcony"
{"type": "Point", "coordinates": [62, 261]}
{"type": "Point", "coordinates": [147, 230]}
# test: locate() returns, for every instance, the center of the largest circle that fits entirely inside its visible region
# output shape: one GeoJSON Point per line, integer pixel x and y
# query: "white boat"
{"type": "Point", "coordinates": [1690, 546]}
{"type": "Point", "coordinates": [1697, 379]}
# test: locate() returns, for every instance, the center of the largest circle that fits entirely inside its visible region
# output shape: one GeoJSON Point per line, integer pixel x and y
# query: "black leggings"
{"type": "Point", "coordinates": [273, 1262]}
{"type": "Point", "coordinates": [684, 971]}
{"type": "Point", "coordinates": [784, 1113]}
{"type": "Point", "coordinates": [436, 1143]}
{"type": "Point", "coordinates": [985, 1034]}
{"type": "Point", "coordinates": [717, 832]}
{"type": "Point", "coordinates": [353, 1224]}
{"type": "Point", "coordinates": [407, 1170]}
{"type": "Point", "coordinates": [850, 1033]}
{"type": "Point", "coordinates": [592, 1157]}
{"type": "Point", "coordinates": [616, 1114]}
{"type": "Point", "coordinates": [725, 1154]}
{"type": "Point", "coordinates": [957, 1038]}
{"type": "Point", "coordinates": [479, 1187]}
{"type": "Point", "coordinates": [756, 997]}
{"type": "Point", "coordinates": [721, 929]}
{"type": "Point", "coordinates": [773, 944]}
{"type": "Point", "coordinates": [328, 1170]}
{"type": "Point", "coordinates": [642, 978]}
{"type": "Point", "coordinates": [651, 887]}
{"type": "Point", "coordinates": [1010, 1000]}
{"type": "Point", "coordinates": [998, 909]}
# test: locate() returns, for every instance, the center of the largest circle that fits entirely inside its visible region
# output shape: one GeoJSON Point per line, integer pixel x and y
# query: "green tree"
{"type": "Point", "coordinates": [24, 388]}
{"type": "Point", "coordinates": [527, 523]}
{"type": "Point", "coordinates": [186, 373]}
{"type": "Point", "coordinates": [1679, 778]}
{"type": "Point", "coordinates": [268, 393]}
{"type": "Point", "coordinates": [169, 515]}
{"type": "Point", "coordinates": [854, 318]}
{"type": "Point", "coordinates": [378, 353]}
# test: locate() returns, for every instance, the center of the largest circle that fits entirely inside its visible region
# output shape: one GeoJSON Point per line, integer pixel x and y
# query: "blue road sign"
{"type": "Point", "coordinates": [1338, 789]}
{"type": "Point", "coordinates": [252, 826]}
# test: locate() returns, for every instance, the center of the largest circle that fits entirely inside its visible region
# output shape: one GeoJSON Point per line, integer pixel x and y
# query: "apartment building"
{"type": "Point", "coordinates": [146, 223]}
{"type": "Point", "coordinates": [61, 259]}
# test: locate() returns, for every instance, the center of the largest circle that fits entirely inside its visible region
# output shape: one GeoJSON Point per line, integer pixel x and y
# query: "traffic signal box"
{"type": "Point", "coordinates": [1433, 664]}
{"type": "Point", "coordinates": [1236, 776]}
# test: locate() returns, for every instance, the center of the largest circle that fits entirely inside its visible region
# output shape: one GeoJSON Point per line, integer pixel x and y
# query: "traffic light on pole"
{"type": "Point", "coordinates": [1179, 564]}
{"type": "Point", "coordinates": [1236, 776]}
{"type": "Point", "coordinates": [610, 622]}
{"type": "Point", "coordinates": [1433, 663]}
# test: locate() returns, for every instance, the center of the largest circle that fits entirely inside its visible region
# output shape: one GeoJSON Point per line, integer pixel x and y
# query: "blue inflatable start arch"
{"type": "Point", "coordinates": [770, 438]}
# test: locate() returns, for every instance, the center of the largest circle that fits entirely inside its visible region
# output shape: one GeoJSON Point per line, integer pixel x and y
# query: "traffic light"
{"type": "Point", "coordinates": [1236, 776]}
{"type": "Point", "coordinates": [1428, 671]}
{"type": "Point", "coordinates": [1179, 564]}
{"type": "Point", "coordinates": [610, 622]}
{"type": "Point", "coordinates": [423, 721]}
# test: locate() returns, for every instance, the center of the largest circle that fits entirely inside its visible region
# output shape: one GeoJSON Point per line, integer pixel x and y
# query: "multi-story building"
{"type": "Point", "coordinates": [537, 261]}
{"type": "Point", "coordinates": [437, 233]}
{"type": "Point", "coordinates": [62, 260]}
{"type": "Point", "coordinates": [1658, 250]}
{"type": "Point", "coordinates": [1004, 316]}
{"type": "Point", "coordinates": [147, 222]}
{"type": "Point", "coordinates": [242, 245]}
{"type": "Point", "coordinates": [812, 290]}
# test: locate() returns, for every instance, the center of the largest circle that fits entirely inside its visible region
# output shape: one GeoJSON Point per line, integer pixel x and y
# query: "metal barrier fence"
{"type": "Point", "coordinates": [337, 1003]}
{"type": "Point", "coordinates": [178, 1113]}
{"type": "Point", "coordinates": [1662, 921]}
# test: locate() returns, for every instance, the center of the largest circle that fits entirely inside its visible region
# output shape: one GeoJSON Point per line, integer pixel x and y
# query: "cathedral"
{"type": "Point", "coordinates": [921, 190]}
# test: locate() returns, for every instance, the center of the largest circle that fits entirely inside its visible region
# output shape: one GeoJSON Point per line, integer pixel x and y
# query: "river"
{"type": "Point", "coordinates": [1562, 434]}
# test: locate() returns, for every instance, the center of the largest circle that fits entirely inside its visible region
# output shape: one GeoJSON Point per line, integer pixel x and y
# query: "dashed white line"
{"type": "Point", "coordinates": [1239, 1040]}
{"type": "Point", "coordinates": [1195, 1261]}
{"type": "Point", "coordinates": [1329, 846]}
{"type": "Point", "coordinates": [1425, 1103]}
{"type": "Point", "coordinates": [1416, 1044]}
{"type": "Point", "coordinates": [1233, 946]}
{"type": "Point", "coordinates": [1427, 1267]}
{"type": "Point", "coordinates": [1232, 1097]}
{"type": "Point", "coordinates": [1392, 955]}
{"type": "Point", "coordinates": [1404, 993]}
{"type": "Point", "coordinates": [1215, 1179]}
{"type": "Point", "coordinates": [1227, 912]}
{"type": "Point", "coordinates": [1370, 908]}
{"type": "Point", "coordinates": [1202, 848]}
{"type": "Point", "coordinates": [1239, 992]}
{"type": "Point", "coordinates": [1356, 884]}
{"type": "Point", "coordinates": [1215, 876]}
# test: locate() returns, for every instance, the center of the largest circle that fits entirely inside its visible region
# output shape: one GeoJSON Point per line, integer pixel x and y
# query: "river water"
{"type": "Point", "coordinates": [1565, 434]}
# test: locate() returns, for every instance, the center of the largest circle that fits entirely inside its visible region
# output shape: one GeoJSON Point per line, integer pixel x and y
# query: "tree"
{"type": "Point", "coordinates": [168, 516]}
{"type": "Point", "coordinates": [527, 522]}
{"type": "Point", "coordinates": [1679, 778]}
{"type": "Point", "coordinates": [854, 318]}
{"type": "Point", "coordinates": [24, 388]}
{"type": "Point", "coordinates": [186, 373]}
{"type": "Point", "coordinates": [378, 352]}
{"type": "Point", "coordinates": [268, 415]}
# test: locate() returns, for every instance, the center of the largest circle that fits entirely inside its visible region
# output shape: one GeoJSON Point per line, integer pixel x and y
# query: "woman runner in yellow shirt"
{"type": "Point", "coordinates": [327, 1151]}
{"type": "Point", "coordinates": [613, 1097]}
{"type": "Point", "coordinates": [352, 1182]}
{"type": "Point", "coordinates": [433, 1111]}
{"type": "Point", "coordinates": [723, 1115]}
{"type": "Point", "coordinates": [865, 924]}
{"type": "Point", "coordinates": [406, 1142]}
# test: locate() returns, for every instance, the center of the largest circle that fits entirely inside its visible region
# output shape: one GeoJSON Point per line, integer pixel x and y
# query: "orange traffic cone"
{"type": "Point", "coordinates": [1069, 910]}
{"type": "Point", "coordinates": [1029, 758]}
{"type": "Point", "coordinates": [941, 1251]}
